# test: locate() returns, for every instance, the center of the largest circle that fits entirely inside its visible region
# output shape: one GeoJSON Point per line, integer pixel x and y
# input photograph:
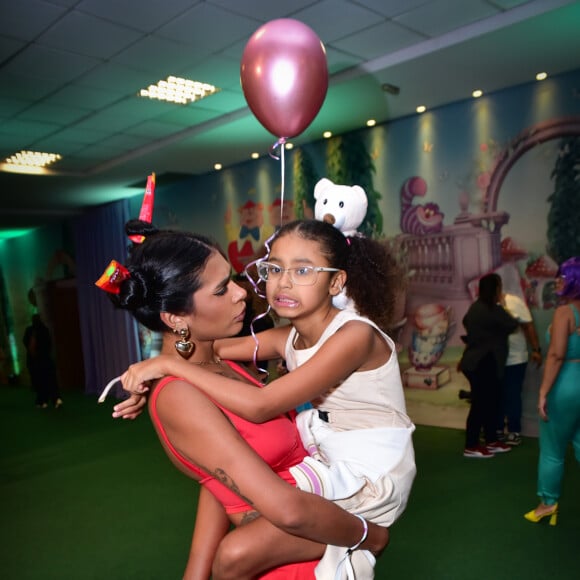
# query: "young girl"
{"type": "Point", "coordinates": [358, 433]}
{"type": "Point", "coordinates": [179, 284]}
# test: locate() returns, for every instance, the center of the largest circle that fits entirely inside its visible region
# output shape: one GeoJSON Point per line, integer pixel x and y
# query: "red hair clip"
{"type": "Point", "coordinates": [146, 213]}
{"type": "Point", "coordinates": [112, 277]}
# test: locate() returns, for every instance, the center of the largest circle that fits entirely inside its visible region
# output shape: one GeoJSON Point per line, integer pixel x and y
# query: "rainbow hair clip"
{"type": "Point", "coordinates": [112, 277]}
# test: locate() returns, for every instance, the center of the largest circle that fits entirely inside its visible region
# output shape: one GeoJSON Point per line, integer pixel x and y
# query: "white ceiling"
{"type": "Point", "coordinates": [70, 71]}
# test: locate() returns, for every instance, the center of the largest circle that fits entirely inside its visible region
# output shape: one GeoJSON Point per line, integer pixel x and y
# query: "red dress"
{"type": "Point", "coordinates": [276, 441]}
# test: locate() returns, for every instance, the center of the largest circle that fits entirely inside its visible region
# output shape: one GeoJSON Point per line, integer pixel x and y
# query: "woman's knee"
{"type": "Point", "coordinates": [232, 560]}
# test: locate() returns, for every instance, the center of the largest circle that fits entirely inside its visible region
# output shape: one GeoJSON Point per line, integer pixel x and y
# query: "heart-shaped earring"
{"type": "Point", "coordinates": [184, 346]}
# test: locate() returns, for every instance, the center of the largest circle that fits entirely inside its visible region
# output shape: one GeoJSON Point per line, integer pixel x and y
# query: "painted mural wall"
{"type": "Point", "coordinates": [463, 190]}
{"type": "Point", "coordinates": [480, 185]}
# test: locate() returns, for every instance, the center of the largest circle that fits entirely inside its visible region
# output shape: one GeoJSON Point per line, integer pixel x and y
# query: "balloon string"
{"type": "Point", "coordinates": [279, 144]}
{"type": "Point", "coordinates": [107, 389]}
{"type": "Point", "coordinates": [255, 337]}
{"type": "Point", "coordinates": [249, 265]}
{"type": "Point", "coordinates": [254, 284]}
{"type": "Point", "coordinates": [283, 180]}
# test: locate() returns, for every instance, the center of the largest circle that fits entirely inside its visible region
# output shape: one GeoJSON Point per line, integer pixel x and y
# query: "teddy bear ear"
{"type": "Point", "coordinates": [362, 195]}
{"type": "Point", "coordinates": [322, 186]}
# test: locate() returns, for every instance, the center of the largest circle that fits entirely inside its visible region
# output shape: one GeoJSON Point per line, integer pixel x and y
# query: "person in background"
{"type": "Point", "coordinates": [40, 364]}
{"type": "Point", "coordinates": [510, 411]}
{"type": "Point", "coordinates": [559, 395]}
{"type": "Point", "coordinates": [488, 325]}
{"type": "Point", "coordinates": [180, 285]}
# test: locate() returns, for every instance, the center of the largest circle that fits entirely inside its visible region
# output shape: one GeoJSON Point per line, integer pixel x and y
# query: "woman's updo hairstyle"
{"type": "Point", "coordinates": [165, 272]}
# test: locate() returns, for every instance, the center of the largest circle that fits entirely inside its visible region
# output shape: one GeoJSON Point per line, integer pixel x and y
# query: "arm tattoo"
{"type": "Point", "coordinates": [249, 517]}
{"type": "Point", "coordinates": [226, 480]}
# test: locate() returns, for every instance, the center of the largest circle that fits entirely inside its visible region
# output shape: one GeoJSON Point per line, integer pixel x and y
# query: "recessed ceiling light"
{"type": "Point", "coordinates": [289, 145]}
{"type": "Point", "coordinates": [33, 159]}
{"type": "Point", "coordinates": [371, 123]}
{"type": "Point", "coordinates": [255, 155]}
{"type": "Point", "coordinates": [217, 166]}
{"type": "Point", "coordinates": [327, 134]}
{"type": "Point", "coordinates": [541, 76]}
{"type": "Point", "coordinates": [178, 90]}
{"type": "Point", "coordinates": [421, 109]}
{"type": "Point", "coordinates": [477, 93]}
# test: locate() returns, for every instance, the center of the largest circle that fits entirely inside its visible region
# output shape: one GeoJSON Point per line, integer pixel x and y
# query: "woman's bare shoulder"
{"type": "Point", "coordinates": [178, 398]}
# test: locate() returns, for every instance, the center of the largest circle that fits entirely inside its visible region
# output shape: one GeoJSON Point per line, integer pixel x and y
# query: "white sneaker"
{"type": "Point", "coordinates": [513, 439]}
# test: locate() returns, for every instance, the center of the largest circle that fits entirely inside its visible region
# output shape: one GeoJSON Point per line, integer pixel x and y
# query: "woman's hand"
{"type": "Point", "coordinates": [543, 407]}
{"type": "Point", "coordinates": [130, 408]}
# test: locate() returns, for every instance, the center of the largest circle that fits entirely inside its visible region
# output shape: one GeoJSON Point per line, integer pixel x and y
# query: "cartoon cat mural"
{"type": "Point", "coordinates": [418, 220]}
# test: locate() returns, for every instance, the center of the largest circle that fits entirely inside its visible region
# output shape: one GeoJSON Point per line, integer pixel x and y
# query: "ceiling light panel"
{"type": "Point", "coordinates": [33, 158]}
{"type": "Point", "coordinates": [178, 90]}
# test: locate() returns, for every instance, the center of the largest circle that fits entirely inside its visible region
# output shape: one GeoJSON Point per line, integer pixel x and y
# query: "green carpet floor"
{"type": "Point", "coordinates": [83, 496]}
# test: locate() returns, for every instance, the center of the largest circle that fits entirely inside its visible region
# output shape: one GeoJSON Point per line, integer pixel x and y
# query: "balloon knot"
{"type": "Point", "coordinates": [280, 143]}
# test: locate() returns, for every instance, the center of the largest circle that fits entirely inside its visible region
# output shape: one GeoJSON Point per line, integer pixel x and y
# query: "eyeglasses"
{"type": "Point", "coordinates": [301, 276]}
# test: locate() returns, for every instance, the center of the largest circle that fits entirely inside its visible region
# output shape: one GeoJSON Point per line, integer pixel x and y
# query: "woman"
{"type": "Point", "coordinates": [180, 284]}
{"type": "Point", "coordinates": [559, 397]}
{"type": "Point", "coordinates": [488, 326]}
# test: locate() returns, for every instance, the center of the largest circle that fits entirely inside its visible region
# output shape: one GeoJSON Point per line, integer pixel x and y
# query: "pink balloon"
{"type": "Point", "coordinates": [284, 76]}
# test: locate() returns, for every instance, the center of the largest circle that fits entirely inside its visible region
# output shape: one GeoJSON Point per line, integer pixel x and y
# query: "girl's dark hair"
{"type": "Point", "coordinates": [165, 272]}
{"type": "Point", "coordinates": [488, 289]}
{"type": "Point", "coordinates": [374, 276]}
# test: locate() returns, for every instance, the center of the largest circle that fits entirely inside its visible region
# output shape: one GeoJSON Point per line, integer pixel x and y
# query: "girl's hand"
{"type": "Point", "coordinates": [135, 379]}
{"type": "Point", "coordinates": [130, 408]}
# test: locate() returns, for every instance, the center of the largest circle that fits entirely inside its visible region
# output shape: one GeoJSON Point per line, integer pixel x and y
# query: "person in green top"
{"type": "Point", "coordinates": [559, 395]}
